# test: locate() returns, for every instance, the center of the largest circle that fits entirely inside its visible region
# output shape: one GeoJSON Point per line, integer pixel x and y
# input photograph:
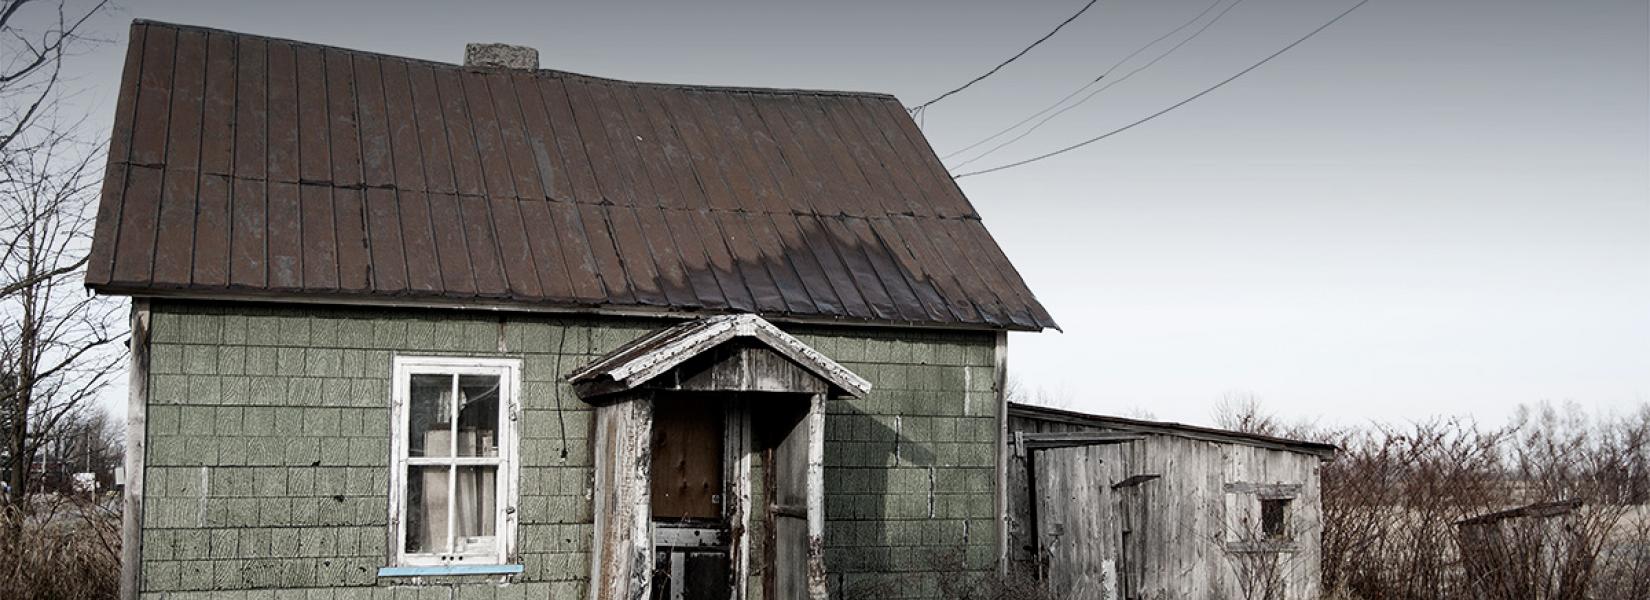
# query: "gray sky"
{"type": "Point", "coordinates": [1433, 207]}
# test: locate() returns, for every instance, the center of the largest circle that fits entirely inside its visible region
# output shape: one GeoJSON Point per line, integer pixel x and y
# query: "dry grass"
{"type": "Point", "coordinates": [61, 549]}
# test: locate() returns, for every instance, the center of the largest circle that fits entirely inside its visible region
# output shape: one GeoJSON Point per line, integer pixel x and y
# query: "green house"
{"type": "Point", "coordinates": [405, 329]}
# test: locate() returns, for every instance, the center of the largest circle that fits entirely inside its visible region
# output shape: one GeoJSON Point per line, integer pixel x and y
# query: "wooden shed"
{"type": "Point", "coordinates": [1109, 508]}
{"type": "Point", "coordinates": [403, 328]}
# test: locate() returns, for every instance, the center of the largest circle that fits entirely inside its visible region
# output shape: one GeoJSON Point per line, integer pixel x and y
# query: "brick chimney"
{"type": "Point", "coordinates": [504, 56]}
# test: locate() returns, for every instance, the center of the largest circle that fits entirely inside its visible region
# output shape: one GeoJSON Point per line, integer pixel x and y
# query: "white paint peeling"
{"type": "Point", "coordinates": [695, 337]}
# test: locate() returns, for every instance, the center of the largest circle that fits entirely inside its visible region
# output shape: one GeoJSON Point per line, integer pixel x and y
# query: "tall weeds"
{"type": "Point", "coordinates": [67, 548]}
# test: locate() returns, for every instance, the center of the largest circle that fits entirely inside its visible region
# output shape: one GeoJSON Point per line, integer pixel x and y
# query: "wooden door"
{"type": "Point", "coordinates": [1076, 522]}
{"type": "Point", "coordinates": [690, 539]}
{"type": "Point", "coordinates": [785, 487]}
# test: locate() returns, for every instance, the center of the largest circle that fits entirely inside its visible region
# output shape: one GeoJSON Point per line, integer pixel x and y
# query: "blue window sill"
{"type": "Point", "coordinates": [444, 570]}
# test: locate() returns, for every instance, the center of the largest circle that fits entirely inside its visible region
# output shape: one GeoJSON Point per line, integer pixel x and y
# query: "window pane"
{"type": "Point", "coordinates": [478, 415]}
{"type": "Point", "coordinates": [1273, 518]}
{"type": "Point", "coordinates": [475, 515]}
{"type": "Point", "coordinates": [426, 518]}
{"type": "Point", "coordinates": [429, 415]}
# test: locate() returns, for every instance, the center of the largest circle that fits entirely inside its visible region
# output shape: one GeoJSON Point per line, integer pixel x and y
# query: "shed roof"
{"type": "Point", "coordinates": [1110, 423]}
{"type": "Point", "coordinates": [248, 166]}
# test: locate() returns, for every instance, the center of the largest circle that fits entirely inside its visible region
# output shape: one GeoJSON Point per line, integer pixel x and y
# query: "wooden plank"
{"type": "Point", "coordinates": [687, 458]}
{"type": "Point", "coordinates": [622, 548]}
{"type": "Point", "coordinates": [999, 389]}
{"type": "Point", "coordinates": [137, 446]}
{"type": "Point", "coordinates": [739, 450]}
{"type": "Point", "coordinates": [816, 498]}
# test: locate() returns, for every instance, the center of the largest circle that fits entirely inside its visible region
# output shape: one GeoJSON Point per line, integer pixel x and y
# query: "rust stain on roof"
{"type": "Point", "coordinates": [250, 166]}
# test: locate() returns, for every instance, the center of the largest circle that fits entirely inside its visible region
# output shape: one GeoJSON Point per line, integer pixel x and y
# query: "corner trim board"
{"type": "Point", "coordinates": [131, 521]}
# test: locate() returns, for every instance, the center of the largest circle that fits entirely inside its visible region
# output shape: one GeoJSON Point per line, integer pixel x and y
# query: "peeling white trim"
{"type": "Point", "coordinates": [706, 333]}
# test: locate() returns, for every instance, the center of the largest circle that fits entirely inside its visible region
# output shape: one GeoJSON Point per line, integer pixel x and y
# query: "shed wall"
{"type": "Point", "coordinates": [268, 450]}
{"type": "Point", "coordinates": [1182, 528]}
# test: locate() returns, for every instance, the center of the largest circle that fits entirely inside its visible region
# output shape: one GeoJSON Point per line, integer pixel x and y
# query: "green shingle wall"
{"type": "Point", "coordinates": [267, 470]}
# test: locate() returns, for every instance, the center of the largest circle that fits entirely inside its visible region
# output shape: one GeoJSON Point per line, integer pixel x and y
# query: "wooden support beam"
{"type": "Point", "coordinates": [816, 498]}
{"type": "Point", "coordinates": [137, 442]}
{"type": "Point", "coordinates": [621, 567]}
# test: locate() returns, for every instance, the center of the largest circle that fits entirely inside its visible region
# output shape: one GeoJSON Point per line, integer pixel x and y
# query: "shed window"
{"type": "Point", "coordinates": [1274, 519]}
{"type": "Point", "coordinates": [454, 479]}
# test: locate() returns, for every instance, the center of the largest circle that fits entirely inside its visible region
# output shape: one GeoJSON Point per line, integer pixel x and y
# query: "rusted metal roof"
{"type": "Point", "coordinates": [1109, 423]}
{"type": "Point", "coordinates": [247, 166]}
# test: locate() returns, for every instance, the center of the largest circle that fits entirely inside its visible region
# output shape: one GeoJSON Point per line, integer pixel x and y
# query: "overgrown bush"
{"type": "Point", "coordinates": [61, 548]}
{"type": "Point", "coordinates": [1395, 498]}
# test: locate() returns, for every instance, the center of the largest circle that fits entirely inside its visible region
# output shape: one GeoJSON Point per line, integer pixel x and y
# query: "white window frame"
{"type": "Point", "coordinates": [508, 371]}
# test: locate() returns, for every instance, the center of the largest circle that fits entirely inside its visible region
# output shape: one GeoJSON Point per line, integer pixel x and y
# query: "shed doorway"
{"type": "Point", "coordinates": [681, 415]}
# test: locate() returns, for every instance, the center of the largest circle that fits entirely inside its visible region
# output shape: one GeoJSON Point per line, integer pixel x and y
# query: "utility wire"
{"type": "Point", "coordinates": [1085, 86]}
{"type": "Point", "coordinates": [1171, 107]}
{"type": "Point", "coordinates": [999, 67]}
{"type": "Point", "coordinates": [1109, 84]}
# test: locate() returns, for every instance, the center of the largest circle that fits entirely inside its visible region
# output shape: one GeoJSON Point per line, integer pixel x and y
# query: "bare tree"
{"type": "Point", "coordinates": [1020, 392]}
{"type": "Point", "coordinates": [1242, 411]}
{"type": "Point", "coordinates": [57, 344]}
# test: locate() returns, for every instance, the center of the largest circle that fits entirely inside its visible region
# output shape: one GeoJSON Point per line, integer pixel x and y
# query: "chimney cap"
{"type": "Point", "coordinates": [505, 56]}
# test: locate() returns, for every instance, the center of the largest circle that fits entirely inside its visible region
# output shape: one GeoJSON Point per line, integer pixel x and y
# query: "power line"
{"type": "Point", "coordinates": [1171, 107]}
{"type": "Point", "coordinates": [1085, 86]}
{"type": "Point", "coordinates": [1109, 84]}
{"type": "Point", "coordinates": [1017, 56]}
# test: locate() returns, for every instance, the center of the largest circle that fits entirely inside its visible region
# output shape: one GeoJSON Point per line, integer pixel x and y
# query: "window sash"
{"type": "Point", "coordinates": [507, 470]}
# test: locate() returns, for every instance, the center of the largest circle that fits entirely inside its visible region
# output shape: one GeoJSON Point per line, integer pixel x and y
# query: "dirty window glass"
{"type": "Point", "coordinates": [452, 419]}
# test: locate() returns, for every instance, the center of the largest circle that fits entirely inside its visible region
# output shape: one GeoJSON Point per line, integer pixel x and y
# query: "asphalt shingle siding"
{"type": "Point", "coordinates": [268, 450]}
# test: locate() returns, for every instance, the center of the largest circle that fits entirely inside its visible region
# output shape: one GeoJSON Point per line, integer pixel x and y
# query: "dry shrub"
{"type": "Point", "coordinates": [62, 548]}
{"type": "Point", "coordinates": [1394, 499]}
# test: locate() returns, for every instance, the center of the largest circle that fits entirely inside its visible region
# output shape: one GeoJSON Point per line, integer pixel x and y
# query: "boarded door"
{"type": "Point", "coordinates": [690, 536]}
{"type": "Point", "coordinates": [1076, 519]}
